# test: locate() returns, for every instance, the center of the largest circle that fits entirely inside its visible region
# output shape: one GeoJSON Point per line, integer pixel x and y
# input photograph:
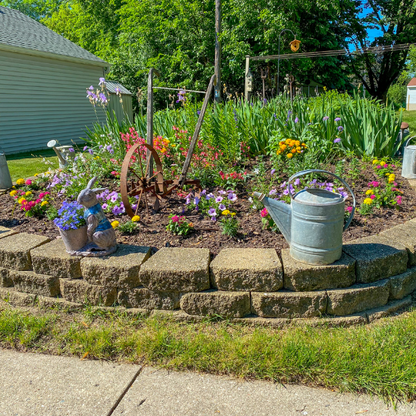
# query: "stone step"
{"type": "Point", "coordinates": [289, 304]}
{"type": "Point", "coordinates": [404, 234]}
{"type": "Point", "coordinates": [358, 298]}
{"type": "Point", "coordinates": [377, 258]}
{"type": "Point", "coordinates": [5, 280]}
{"type": "Point", "coordinates": [247, 269]}
{"type": "Point", "coordinates": [404, 284]}
{"type": "Point", "coordinates": [216, 303]}
{"type": "Point", "coordinates": [388, 309]}
{"type": "Point", "coordinates": [52, 259]}
{"type": "Point", "coordinates": [15, 250]}
{"type": "Point", "coordinates": [120, 270]}
{"type": "Point", "coordinates": [79, 291]}
{"type": "Point", "coordinates": [6, 232]}
{"type": "Point", "coordinates": [39, 284]}
{"type": "Point", "coordinates": [304, 277]}
{"type": "Point", "coordinates": [143, 298]}
{"type": "Point", "coordinates": [177, 270]}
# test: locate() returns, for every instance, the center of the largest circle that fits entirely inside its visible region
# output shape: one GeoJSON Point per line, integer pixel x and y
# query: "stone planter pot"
{"type": "Point", "coordinates": [74, 240]}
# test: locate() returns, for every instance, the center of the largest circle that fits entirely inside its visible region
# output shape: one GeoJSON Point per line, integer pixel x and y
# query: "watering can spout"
{"type": "Point", "coordinates": [280, 212]}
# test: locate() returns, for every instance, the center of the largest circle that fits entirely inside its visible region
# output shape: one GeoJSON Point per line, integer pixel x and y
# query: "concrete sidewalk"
{"type": "Point", "coordinates": [34, 385]}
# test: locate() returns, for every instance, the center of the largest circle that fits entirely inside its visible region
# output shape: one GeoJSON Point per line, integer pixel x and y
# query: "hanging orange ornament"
{"type": "Point", "coordinates": [294, 45]}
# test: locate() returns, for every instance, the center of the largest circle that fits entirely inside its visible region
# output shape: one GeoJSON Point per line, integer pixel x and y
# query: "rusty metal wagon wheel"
{"type": "Point", "coordinates": [136, 180]}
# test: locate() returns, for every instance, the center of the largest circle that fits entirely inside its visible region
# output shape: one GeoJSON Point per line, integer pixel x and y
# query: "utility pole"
{"type": "Point", "coordinates": [217, 93]}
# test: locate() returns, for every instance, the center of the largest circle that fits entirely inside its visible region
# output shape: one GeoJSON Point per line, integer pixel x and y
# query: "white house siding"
{"type": "Point", "coordinates": [43, 99]}
{"type": "Point", "coordinates": [411, 98]}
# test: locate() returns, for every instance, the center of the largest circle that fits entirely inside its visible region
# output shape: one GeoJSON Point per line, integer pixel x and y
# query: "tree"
{"type": "Point", "coordinates": [37, 10]}
{"type": "Point", "coordinates": [396, 20]}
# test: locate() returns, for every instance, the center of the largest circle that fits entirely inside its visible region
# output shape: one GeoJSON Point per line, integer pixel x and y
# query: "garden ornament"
{"type": "Point", "coordinates": [313, 223]}
{"type": "Point", "coordinates": [101, 237]}
{"type": "Point", "coordinates": [63, 153]}
{"type": "Point", "coordinates": [409, 160]}
{"type": "Point", "coordinates": [294, 45]}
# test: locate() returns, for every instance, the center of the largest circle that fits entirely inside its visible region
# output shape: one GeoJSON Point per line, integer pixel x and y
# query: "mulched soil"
{"type": "Point", "coordinates": [208, 234]}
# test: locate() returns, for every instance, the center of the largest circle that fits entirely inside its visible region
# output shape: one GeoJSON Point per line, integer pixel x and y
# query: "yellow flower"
{"type": "Point", "coordinates": [20, 181]}
{"type": "Point", "coordinates": [368, 201]}
{"type": "Point", "coordinates": [297, 143]}
{"type": "Point", "coordinates": [369, 192]}
{"type": "Point", "coordinates": [13, 193]}
{"type": "Point", "coordinates": [115, 224]}
{"type": "Point", "coordinates": [21, 200]}
{"type": "Point", "coordinates": [293, 150]}
{"type": "Point", "coordinates": [288, 141]}
{"type": "Point", "coordinates": [226, 212]}
{"type": "Point", "coordinates": [167, 141]}
{"type": "Point", "coordinates": [43, 203]}
{"type": "Point", "coordinates": [163, 150]}
{"type": "Point", "coordinates": [304, 144]}
{"type": "Point", "coordinates": [289, 155]}
{"type": "Point", "coordinates": [375, 162]}
{"type": "Point", "coordinates": [36, 174]}
{"type": "Point", "coordinates": [173, 145]}
{"type": "Point", "coordinates": [232, 214]}
{"type": "Point", "coordinates": [136, 218]}
{"type": "Point", "coordinates": [283, 147]}
{"type": "Point", "coordinates": [382, 162]}
{"type": "Point", "coordinates": [28, 193]}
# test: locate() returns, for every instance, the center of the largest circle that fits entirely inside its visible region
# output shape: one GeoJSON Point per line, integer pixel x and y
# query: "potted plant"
{"type": "Point", "coordinates": [72, 226]}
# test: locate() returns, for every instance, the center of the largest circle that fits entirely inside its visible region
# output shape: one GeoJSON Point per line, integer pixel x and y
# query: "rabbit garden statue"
{"type": "Point", "coordinates": [101, 236]}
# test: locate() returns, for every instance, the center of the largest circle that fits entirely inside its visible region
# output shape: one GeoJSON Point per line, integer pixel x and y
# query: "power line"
{"type": "Point", "coordinates": [336, 52]}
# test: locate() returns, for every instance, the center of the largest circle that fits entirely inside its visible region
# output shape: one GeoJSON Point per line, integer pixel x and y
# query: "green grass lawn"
{"type": "Point", "coordinates": [410, 117]}
{"type": "Point", "coordinates": [23, 165]}
{"type": "Point", "coordinates": [379, 358]}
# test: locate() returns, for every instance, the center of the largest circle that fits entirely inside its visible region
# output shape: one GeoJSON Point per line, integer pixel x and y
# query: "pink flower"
{"type": "Point", "coordinates": [374, 183]}
{"type": "Point", "coordinates": [393, 166]}
{"type": "Point", "coordinates": [372, 196]}
{"type": "Point", "coordinates": [386, 165]}
{"type": "Point", "coordinates": [349, 209]}
{"type": "Point", "coordinates": [264, 212]}
{"type": "Point", "coordinates": [28, 182]}
{"type": "Point", "coordinates": [114, 173]}
{"type": "Point", "coordinates": [175, 218]}
{"type": "Point", "coordinates": [399, 200]}
{"type": "Point", "coordinates": [378, 167]}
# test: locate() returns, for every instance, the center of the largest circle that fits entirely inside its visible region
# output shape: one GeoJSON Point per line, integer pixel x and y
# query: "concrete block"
{"type": "Point", "coordinates": [79, 291]}
{"type": "Point", "coordinates": [389, 309]}
{"type": "Point", "coordinates": [6, 232]}
{"type": "Point", "coordinates": [303, 277]}
{"type": "Point", "coordinates": [358, 298]}
{"type": "Point", "coordinates": [52, 259]}
{"type": "Point", "coordinates": [39, 284]}
{"type": "Point", "coordinates": [120, 270]}
{"type": "Point", "coordinates": [143, 298]}
{"type": "Point", "coordinates": [5, 280]}
{"type": "Point", "coordinates": [289, 304]}
{"type": "Point", "coordinates": [403, 284]}
{"type": "Point", "coordinates": [177, 270]}
{"type": "Point", "coordinates": [377, 258]}
{"type": "Point", "coordinates": [225, 304]}
{"type": "Point", "coordinates": [15, 250]}
{"type": "Point", "coordinates": [247, 269]}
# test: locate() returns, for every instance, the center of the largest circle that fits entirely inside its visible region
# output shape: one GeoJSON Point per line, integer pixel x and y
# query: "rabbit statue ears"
{"type": "Point", "coordinates": [91, 183]}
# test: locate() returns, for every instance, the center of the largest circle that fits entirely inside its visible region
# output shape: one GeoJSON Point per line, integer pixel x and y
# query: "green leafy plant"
{"type": "Point", "coordinates": [178, 225]}
{"type": "Point", "coordinates": [229, 225]}
{"type": "Point", "coordinates": [128, 227]}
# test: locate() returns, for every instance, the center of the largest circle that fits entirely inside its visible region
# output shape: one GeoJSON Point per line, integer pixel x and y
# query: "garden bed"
{"type": "Point", "coordinates": [208, 234]}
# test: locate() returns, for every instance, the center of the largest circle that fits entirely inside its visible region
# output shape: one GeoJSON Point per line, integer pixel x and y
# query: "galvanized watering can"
{"type": "Point", "coordinates": [409, 160]}
{"type": "Point", "coordinates": [313, 223]}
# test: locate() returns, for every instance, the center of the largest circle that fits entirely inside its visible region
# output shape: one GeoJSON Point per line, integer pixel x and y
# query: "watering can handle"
{"type": "Point", "coordinates": [408, 140]}
{"type": "Point", "coordinates": [306, 172]}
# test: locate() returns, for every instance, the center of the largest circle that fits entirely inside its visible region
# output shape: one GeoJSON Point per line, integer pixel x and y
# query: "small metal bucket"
{"type": "Point", "coordinates": [74, 240]}
{"type": "Point", "coordinates": [409, 160]}
{"type": "Point", "coordinates": [5, 179]}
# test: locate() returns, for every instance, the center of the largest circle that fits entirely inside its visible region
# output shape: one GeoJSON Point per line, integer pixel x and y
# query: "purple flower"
{"type": "Point", "coordinates": [103, 98]}
{"type": "Point", "coordinates": [218, 199]}
{"type": "Point", "coordinates": [337, 140]}
{"type": "Point", "coordinates": [91, 88]}
{"type": "Point", "coordinates": [134, 207]}
{"type": "Point", "coordinates": [222, 192]}
{"type": "Point", "coordinates": [114, 198]}
{"type": "Point", "coordinates": [196, 200]}
{"type": "Point", "coordinates": [275, 116]}
{"type": "Point", "coordinates": [338, 119]}
{"type": "Point", "coordinates": [85, 148]}
{"type": "Point", "coordinates": [272, 172]}
{"type": "Point", "coordinates": [212, 212]}
{"type": "Point", "coordinates": [100, 146]}
{"type": "Point", "coordinates": [273, 192]}
{"type": "Point", "coordinates": [104, 206]}
{"type": "Point", "coordinates": [71, 149]}
{"type": "Point", "coordinates": [222, 207]}
{"type": "Point", "coordinates": [340, 128]}
{"type": "Point", "coordinates": [325, 118]}
{"type": "Point", "coordinates": [297, 182]}
{"type": "Point", "coordinates": [283, 184]}
{"type": "Point", "coordinates": [90, 151]}
{"type": "Point", "coordinates": [209, 196]}
{"type": "Point", "coordinates": [110, 149]}
{"type": "Point", "coordinates": [198, 112]}
{"type": "Point", "coordinates": [102, 81]}
{"type": "Point", "coordinates": [296, 120]}
{"type": "Point", "coordinates": [117, 210]}
{"type": "Point", "coordinates": [232, 197]}
{"type": "Point", "coordinates": [203, 192]}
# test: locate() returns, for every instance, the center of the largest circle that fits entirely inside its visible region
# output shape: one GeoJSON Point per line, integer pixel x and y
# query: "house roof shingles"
{"type": "Point", "coordinates": [412, 82]}
{"type": "Point", "coordinates": [20, 31]}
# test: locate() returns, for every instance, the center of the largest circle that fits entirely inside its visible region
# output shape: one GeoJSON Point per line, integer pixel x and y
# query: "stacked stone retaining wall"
{"type": "Point", "coordinates": [375, 276]}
